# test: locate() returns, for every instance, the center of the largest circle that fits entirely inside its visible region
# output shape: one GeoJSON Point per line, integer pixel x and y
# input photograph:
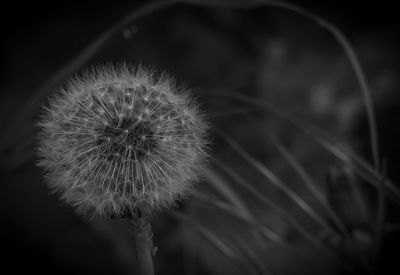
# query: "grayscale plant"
{"type": "Point", "coordinates": [122, 142]}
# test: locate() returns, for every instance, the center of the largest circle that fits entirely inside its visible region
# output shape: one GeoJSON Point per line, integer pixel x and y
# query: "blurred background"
{"type": "Point", "coordinates": [273, 201]}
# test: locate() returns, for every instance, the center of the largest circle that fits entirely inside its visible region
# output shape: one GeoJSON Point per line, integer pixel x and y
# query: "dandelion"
{"type": "Point", "coordinates": [122, 142]}
{"type": "Point", "coordinates": [120, 139]}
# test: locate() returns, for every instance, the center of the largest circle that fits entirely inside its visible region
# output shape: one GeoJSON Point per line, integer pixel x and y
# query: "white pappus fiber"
{"type": "Point", "coordinates": [120, 139]}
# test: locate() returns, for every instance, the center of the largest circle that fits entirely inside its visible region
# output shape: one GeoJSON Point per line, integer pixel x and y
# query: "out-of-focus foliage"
{"type": "Point", "coordinates": [274, 201]}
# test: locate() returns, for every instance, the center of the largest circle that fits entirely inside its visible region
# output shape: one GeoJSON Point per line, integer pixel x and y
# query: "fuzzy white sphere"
{"type": "Point", "coordinates": [119, 139]}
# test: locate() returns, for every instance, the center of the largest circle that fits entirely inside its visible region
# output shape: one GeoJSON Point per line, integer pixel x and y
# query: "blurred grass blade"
{"type": "Point", "coordinates": [380, 219]}
{"type": "Point", "coordinates": [310, 185]}
{"type": "Point", "coordinates": [361, 167]}
{"type": "Point", "coordinates": [276, 181]}
{"type": "Point", "coordinates": [254, 258]}
{"type": "Point", "coordinates": [278, 209]}
{"type": "Point", "coordinates": [233, 254]}
{"type": "Point", "coordinates": [266, 232]}
{"type": "Point", "coordinates": [342, 154]}
{"type": "Point", "coordinates": [373, 176]}
{"type": "Point", "coordinates": [207, 235]}
{"type": "Point", "coordinates": [228, 192]}
{"type": "Point", "coordinates": [340, 38]}
{"type": "Point", "coordinates": [389, 188]}
{"type": "Point", "coordinates": [249, 220]}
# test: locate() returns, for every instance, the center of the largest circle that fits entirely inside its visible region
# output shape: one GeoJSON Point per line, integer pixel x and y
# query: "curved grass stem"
{"type": "Point", "coordinates": [338, 36]}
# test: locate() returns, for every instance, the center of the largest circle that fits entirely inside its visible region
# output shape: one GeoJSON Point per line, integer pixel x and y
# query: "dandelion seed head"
{"type": "Point", "coordinates": [121, 139]}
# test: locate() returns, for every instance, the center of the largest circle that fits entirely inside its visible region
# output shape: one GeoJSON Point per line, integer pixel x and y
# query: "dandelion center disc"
{"type": "Point", "coordinates": [128, 139]}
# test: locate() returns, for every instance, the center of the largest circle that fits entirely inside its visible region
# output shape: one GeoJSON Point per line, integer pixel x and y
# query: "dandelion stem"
{"type": "Point", "coordinates": [144, 245]}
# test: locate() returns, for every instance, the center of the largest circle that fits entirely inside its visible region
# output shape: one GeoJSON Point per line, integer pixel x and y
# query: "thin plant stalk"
{"type": "Point", "coordinates": [316, 242]}
{"type": "Point", "coordinates": [276, 181]}
{"type": "Point", "coordinates": [208, 235]}
{"type": "Point", "coordinates": [228, 192]}
{"type": "Point", "coordinates": [380, 219]}
{"type": "Point", "coordinates": [144, 245]}
{"type": "Point", "coordinates": [338, 36]}
{"type": "Point", "coordinates": [309, 184]}
{"type": "Point", "coordinates": [372, 175]}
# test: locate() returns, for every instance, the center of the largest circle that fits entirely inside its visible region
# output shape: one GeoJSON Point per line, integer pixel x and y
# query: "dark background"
{"type": "Point", "coordinates": [40, 234]}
